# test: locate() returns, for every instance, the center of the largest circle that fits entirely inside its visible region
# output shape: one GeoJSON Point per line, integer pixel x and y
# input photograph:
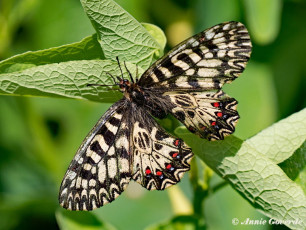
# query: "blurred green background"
{"type": "Point", "coordinates": [39, 136]}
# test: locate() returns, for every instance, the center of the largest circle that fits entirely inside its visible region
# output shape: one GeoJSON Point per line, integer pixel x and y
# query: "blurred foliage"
{"type": "Point", "coordinates": [39, 136]}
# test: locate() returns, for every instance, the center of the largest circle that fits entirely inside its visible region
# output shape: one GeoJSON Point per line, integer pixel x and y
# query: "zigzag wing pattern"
{"type": "Point", "coordinates": [159, 159]}
{"type": "Point", "coordinates": [203, 62]}
{"type": "Point", "coordinates": [100, 170]}
{"type": "Point", "coordinates": [127, 143]}
{"type": "Point", "coordinates": [211, 114]}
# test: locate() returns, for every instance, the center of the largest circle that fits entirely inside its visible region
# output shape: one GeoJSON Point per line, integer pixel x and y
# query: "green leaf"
{"type": "Point", "coordinates": [66, 79]}
{"type": "Point", "coordinates": [58, 71]}
{"type": "Point", "coordinates": [87, 49]}
{"type": "Point", "coordinates": [264, 19]}
{"type": "Point", "coordinates": [68, 220]}
{"type": "Point", "coordinates": [295, 168]}
{"type": "Point", "coordinates": [157, 34]}
{"type": "Point", "coordinates": [279, 141]}
{"type": "Point", "coordinates": [120, 34]}
{"type": "Point", "coordinates": [256, 177]}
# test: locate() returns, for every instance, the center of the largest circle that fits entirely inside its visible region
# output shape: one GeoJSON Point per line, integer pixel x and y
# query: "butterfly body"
{"type": "Point", "coordinates": [128, 144]}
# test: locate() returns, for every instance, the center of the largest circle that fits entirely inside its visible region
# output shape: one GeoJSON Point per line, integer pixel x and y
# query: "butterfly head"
{"type": "Point", "coordinates": [131, 91]}
{"type": "Point", "coordinates": [124, 85]}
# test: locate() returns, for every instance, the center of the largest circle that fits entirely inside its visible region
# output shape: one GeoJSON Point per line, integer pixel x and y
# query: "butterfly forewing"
{"type": "Point", "coordinates": [101, 170]}
{"type": "Point", "coordinates": [204, 61]}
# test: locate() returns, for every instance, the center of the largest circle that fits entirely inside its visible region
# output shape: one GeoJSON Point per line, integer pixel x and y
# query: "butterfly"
{"type": "Point", "coordinates": [128, 144]}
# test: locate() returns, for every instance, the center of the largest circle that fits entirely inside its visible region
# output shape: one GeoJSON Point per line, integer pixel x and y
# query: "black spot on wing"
{"type": "Point", "coordinates": [158, 146]}
{"type": "Point", "coordinates": [174, 69]}
{"type": "Point", "coordinates": [95, 146]}
{"type": "Point", "coordinates": [147, 139]}
{"type": "Point", "coordinates": [109, 137]}
{"type": "Point", "coordinates": [140, 142]}
{"type": "Point", "coordinates": [159, 74]}
{"type": "Point", "coordinates": [190, 113]}
{"type": "Point", "coordinates": [182, 103]}
{"type": "Point", "coordinates": [185, 58]}
{"type": "Point", "coordinates": [102, 130]}
{"type": "Point", "coordinates": [85, 174]}
{"type": "Point", "coordinates": [211, 46]}
{"type": "Point", "coordinates": [199, 52]}
{"type": "Point", "coordinates": [180, 115]}
{"type": "Point", "coordinates": [124, 153]}
{"type": "Point", "coordinates": [114, 121]}
{"type": "Point", "coordinates": [160, 135]}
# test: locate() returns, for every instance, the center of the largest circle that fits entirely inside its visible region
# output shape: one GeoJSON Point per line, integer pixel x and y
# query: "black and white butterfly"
{"type": "Point", "coordinates": [128, 144]}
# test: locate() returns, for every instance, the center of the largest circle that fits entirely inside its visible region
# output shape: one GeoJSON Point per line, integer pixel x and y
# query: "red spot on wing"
{"type": "Point", "coordinates": [219, 114]}
{"type": "Point", "coordinates": [174, 155]}
{"type": "Point", "coordinates": [177, 142]}
{"type": "Point", "coordinates": [169, 166]}
{"type": "Point", "coordinates": [213, 123]}
{"type": "Point", "coordinates": [148, 171]}
{"type": "Point", "coordinates": [216, 104]}
{"type": "Point", "coordinates": [159, 173]}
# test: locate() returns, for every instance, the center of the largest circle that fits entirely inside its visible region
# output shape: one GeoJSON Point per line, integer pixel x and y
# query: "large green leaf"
{"type": "Point", "coordinates": [87, 49]}
{"type": "Point", "coordinates": [295, 166]}
{"type": "Point", "coordinates": [120, 34]}
{"type": "Point", "coordinates": [256, 177]}
{"type": "Point", "coordinates": [65, 71]}
{"type": "Point", "coordinates": [279, 141]}
{"type": "Point", "coordinates": [65, 79]}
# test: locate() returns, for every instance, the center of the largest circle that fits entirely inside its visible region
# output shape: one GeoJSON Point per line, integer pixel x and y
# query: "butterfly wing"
{"type": "Point", "coordinates": [159, 159]}
{"type": "Point", "coordinates": [125, 143]}
{"type": "Point", "coordinates": [204, 61]}
{"type": "Point", "coordinates": [189, 78]}
{"type": "Point", "coordinates": [100, 170]}
{"type": "Point", "coordinates": [210, 114]}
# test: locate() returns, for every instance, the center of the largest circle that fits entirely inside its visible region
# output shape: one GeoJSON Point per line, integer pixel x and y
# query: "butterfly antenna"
{"type": "Point", "coordinates": [109, 74]}
{"type": "Point", "coordinates": [136, 73]}
{"type": "Point", "coordinates": [119, 67]}
{"type": "Point", "coordinates": [132, 80]}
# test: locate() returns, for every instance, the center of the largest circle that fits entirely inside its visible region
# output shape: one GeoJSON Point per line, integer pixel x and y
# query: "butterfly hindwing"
{"type": "Point", "coordinates": [203, 62]}
{"type": "Point", "coordinates": [100, 170]}
{"type": "Point", "coordinates": [210, 114]}
{"type": "Point", "coordinates": [159, 159]}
